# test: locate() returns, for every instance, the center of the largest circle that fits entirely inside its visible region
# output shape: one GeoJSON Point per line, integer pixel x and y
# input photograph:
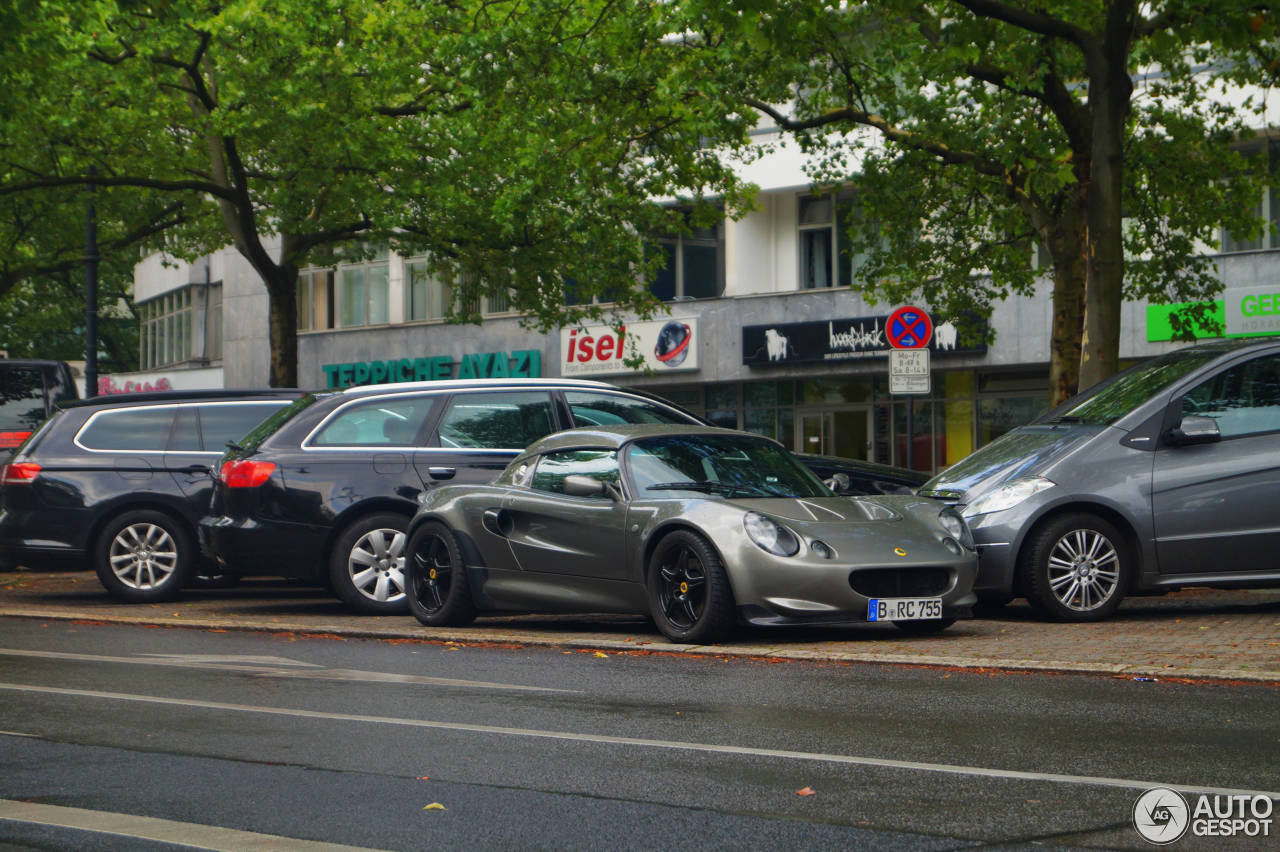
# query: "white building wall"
{"type": "Point", "coordinates": [246, 351]}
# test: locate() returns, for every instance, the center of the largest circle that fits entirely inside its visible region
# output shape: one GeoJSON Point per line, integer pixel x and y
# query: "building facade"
{"type": "Point", "coordinates": [763, 333]}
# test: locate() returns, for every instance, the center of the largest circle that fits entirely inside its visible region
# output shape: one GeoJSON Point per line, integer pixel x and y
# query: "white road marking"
{"type": "Point", "coordinates": [161, 830]}
{"type": "Point", "coordinates": [745, 751]}
{"type": "Point", "coordinates": [245, 666]}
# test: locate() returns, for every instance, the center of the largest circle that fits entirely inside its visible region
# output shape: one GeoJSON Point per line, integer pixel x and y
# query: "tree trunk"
{"type": "Point", "coordinates": [1067, 241]}
{"type": "Point", "coordinates": [1110, 89]}
{"type": "Point", "coordinates": [282, 321]}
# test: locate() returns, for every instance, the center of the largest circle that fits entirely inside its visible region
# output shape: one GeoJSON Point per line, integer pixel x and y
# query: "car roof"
{"type": "Point", "coordinates": [463, 384]}
{"type": "Point", "coordinates": [612, 437]}
{"type": "Point", "coordinates": [174, 396]}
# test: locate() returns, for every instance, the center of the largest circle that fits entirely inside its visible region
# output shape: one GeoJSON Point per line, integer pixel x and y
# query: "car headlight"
{"type": "Point", "coordinates": [955, 526]}
{"type": "Point", "coordinates": [769, 535]}
{"type": "Point", "coordinates": [1007, 496]}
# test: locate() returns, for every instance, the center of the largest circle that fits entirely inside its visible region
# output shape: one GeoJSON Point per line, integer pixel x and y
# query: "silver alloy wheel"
{"type": "Point", "coordinates": [143, 556]}
{"type": "Point", "coordinates": [376, 565]}
{"type": "Point", "coordinates": [1084, 570]}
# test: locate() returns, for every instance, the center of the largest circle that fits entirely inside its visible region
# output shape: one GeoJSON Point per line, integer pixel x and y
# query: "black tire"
{"type": "Point", "coordinates": [925, 626]}
{"type": "Point", "coordinates": [144, 556]}
{"type": "Point", "coordinates": [689, 594]}
{"type": "Point", "coordinates": [439, 591]}
{"type": "Point", "coordinates": [366, 565]}
{"type": "Point", "coordinates": [1076, 568]}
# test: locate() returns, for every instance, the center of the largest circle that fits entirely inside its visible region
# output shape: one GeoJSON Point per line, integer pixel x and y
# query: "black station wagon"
{"type": "Point", "coordinates": [324, 489]}
{"type": "Point", "coordinates": [122, 482]}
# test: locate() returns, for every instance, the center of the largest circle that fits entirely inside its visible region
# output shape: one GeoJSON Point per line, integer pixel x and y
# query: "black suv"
{"type": "Point", "coordinates": [123, 480]}
{"type": "Point", "coordinates": [324, 489]}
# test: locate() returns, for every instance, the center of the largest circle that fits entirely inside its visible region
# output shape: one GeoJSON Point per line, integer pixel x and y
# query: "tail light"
{"type": "Point", "coordinates": [245, 473]}
{"type": "Point", "coordinates": [17, 472]}
{"type": "Point", "coordinates": [9, 440]}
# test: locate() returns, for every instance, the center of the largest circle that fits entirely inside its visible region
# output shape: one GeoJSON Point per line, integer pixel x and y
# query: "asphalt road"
{"type": "Point", "coordinates": [406, 744]}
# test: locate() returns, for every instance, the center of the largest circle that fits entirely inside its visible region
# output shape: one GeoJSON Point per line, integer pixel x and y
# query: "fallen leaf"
{"type": "Point", "coordinates": [602, 655]}
{"type": "Point", "coordinates": [806, 791]}
{"type": "Point", "coordinates": [424, 777]}
{"type": "Point", "coordinates": [434, 806]}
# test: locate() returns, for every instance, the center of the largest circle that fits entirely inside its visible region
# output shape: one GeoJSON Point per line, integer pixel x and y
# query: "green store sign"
{"type": "Point", "coordinates": [522, 363]}
{"type": "Point", "coordinates": [1241, 312]}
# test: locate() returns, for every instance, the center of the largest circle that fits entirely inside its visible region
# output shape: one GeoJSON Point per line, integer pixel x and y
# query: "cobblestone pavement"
{"type": "Point", "coordinates": [1195, 633]}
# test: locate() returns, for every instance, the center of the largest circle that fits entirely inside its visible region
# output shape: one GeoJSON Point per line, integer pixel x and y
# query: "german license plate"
{"type": "Point", "coordinates": [903, 609]}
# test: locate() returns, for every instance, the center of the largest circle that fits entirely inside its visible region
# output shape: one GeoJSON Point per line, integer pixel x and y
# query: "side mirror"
{"type": "Point", "coordinates": [838, 482]}
{"type": "Point", "coordinates": [1195, 430]}
{"type": "Point", "coordinates": [577, 485]}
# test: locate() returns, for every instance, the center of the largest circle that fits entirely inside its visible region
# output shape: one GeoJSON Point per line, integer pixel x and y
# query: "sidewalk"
{"type": "Point", "coordinates": [1197, 633]}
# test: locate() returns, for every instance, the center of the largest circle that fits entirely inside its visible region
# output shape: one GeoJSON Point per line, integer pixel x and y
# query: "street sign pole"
{"type": "Point", "coordinates": [909, 331]}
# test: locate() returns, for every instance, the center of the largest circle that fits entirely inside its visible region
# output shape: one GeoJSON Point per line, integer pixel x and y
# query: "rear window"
{"type": "Point", "coordinates": [21, 404]}
{"type": "Point", "coordinates": [127, 429]}
{"type": "Point", "coordinates": [376, 423]}
{"type": "Point", "coordinates": [223, 423]}
{"type": "Point", "coordinates": [255, 436]}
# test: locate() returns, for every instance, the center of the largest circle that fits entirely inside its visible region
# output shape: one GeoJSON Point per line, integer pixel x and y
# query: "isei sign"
{"type": "Point", "coordinates": [843, 340]}
{"type": "Point", "coordinates": [522, 363]}
{"type": "Point", "coordinates": [664, 345]}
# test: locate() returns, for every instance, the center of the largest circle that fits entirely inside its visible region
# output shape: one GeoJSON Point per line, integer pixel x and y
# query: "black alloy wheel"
{"type": "Point", "coordinates": [438, 590]}
{"type": "Point", "coordinates": [689, 594]}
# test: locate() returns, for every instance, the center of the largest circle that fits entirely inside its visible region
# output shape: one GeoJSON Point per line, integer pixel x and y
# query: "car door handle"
{"type": "Point", "coordinates": [442, 472]}
{"type": "Point", "coordinates": [497, 522]}
{"type": "Point", "coordinates": [197, 468]}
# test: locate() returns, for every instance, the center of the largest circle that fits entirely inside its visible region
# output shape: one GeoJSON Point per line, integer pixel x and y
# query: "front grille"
{"type": "Point", "coordinates": [900, 582]}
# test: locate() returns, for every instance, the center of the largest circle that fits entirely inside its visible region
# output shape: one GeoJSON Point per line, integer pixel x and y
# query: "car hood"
{"type": "Point", "coordinates": [1025, 451]}
{"type": "Point", "coordinates": [820, 510]}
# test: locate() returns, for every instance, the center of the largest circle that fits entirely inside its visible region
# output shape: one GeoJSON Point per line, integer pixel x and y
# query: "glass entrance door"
{"type": "Point", "coordinates": [845, 433]}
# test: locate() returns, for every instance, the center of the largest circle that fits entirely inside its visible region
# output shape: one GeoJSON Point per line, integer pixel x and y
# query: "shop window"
{"type": "Point", "coordinates": [693, 265]}
{"type": "Point", "coordinates": [722, 405]}
{"type": "Point", "coordinates": [315, 299]}
{"type": "Point", "coordinates": [915, 438]}
{"type": "Point", "coordinates": [1267, 207]}
{"type": "Point", "coordinates": [1001, 414]}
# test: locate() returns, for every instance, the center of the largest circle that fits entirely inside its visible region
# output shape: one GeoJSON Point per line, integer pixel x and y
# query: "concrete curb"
{"type": "Point", "coordinates": [488, 635]}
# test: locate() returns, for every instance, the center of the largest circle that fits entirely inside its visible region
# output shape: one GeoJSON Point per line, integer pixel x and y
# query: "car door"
{"type": "Point", "coordinates": [552, 532]}
{"type": "Point", "coordinates": [478, 433]}
{"type": "Point", "coordinates": [1216, 506]}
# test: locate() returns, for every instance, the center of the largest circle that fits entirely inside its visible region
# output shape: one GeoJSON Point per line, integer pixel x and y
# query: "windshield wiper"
{"type": "Point", "coordinates": [1064, 420]}
{"type": "Point", "coordinates": [703, 485]}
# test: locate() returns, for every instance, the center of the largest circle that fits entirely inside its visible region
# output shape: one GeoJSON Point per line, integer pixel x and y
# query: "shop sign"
{"type": "Point", "coordinates": [521, 363]}
{"type": "Point", "coordinates": [665, 345]}
{"type": "Point", "coordinates": [194, 379]}
{"type": "Point", "coordinates": [1252, 310]}
{"type": "Point", "coordinates": [779, 344]}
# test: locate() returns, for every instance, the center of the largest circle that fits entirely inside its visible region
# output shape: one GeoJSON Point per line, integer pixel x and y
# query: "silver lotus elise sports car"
{"type": "Point", "coordinates": [698, 527]}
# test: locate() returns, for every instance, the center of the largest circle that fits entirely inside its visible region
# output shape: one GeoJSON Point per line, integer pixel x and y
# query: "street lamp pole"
{"type": "Point", "coordinates": [91, 259]}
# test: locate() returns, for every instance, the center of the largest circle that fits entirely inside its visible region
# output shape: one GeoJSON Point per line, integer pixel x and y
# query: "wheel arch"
{"type": "Point", "coordinates": [163, 507]}
{"type": "Point", "coordinates": [358, 510]}
{"type": "Point", "coordinates": [662, 531]}
{"type": "Point", "coordinates": [1110, 514]}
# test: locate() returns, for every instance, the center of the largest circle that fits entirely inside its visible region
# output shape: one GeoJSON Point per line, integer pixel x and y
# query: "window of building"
{"type": "Point", "coordinates": [315, 299]}
{"type": "Point", "coordinates": [429, 297]}
{"type": "Point", "coordinates": [826, 256]}
{"type": "Point", "coordinates": [213, 323]}
{"type": "Point", "coordinates": [693, 267]}
{"type": "Point", "coordinates": [363, 297]}
{"type": "Point", "coordinates": [165, 333]}
{"type": "Point", "coordinates": [1268, 207]}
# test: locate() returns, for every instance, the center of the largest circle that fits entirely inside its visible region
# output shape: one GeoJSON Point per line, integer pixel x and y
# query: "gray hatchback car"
{"type": "Point", "coordinates": [1165, 475]}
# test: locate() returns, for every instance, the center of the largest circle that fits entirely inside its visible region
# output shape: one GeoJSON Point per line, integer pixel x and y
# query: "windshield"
{"type": "Point", "coordinates": [1107, 402]}
{"type": "Point", "coordinates": [731, 465]}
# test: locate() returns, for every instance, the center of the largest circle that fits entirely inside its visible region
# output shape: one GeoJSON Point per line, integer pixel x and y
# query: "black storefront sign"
{"type": "Point", "coordinates": [847, 340]}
